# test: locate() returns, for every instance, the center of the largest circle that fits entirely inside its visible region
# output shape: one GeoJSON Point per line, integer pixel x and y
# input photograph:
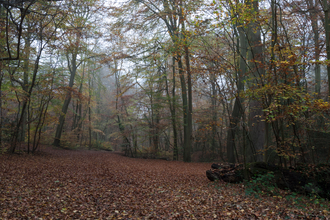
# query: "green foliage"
{"type": "Point", "coordinates": [297, 200]}
{"type": "Point", "coordinates": [302, 202]}
{"type": "Point", "coordinates": [264, 185]}
{"type": "Point", "coordinates": [261, 185]}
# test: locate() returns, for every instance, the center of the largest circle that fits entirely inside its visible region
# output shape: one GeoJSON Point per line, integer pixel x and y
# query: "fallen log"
{"type": "Point", "coordinates": [225, 172]}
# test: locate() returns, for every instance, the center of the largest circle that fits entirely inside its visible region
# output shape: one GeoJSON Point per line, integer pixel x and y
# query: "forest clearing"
{"type": "Point", "coordinates": [242, 83]}
{"type": "Point", "coordinates": [80, 184]}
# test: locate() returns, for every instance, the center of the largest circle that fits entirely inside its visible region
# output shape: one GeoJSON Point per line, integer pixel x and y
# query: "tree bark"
{"type": "Point", "coordinates": [237, 110]}
{"type": "Point", "coordinates": [73, 70]}
{"type": "Point", "coordinates": [314, 20]}
{"type": "Point", "coordinates": [214, 145]}
{"type": "Point", "coordinates": [172, 103]}
{"type": "Point", "coordinates": [327, 37]}
{"type": "Point", "coordinates": [186, 136]}
{"type": "Point", "coordinates": [173, 114]}
{"type": "Point", "coordinates": [1, 122]}
{"type": "Point", "coordinates": [27, 48]}
{"type": "Point", "coordinates": [25, 102]}
{"type": "Point", "coordinates": [188, 109]}
{"type": "Point", "coordinates": [257, 127]}
{"type": "Point", "coordinates": [77, 115]}
{"type": "Point", "coordinates": [89, 112]}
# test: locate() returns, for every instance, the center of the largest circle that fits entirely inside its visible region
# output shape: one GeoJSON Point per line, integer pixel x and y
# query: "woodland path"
{"type": "Point", "coordinates": [63, 184]}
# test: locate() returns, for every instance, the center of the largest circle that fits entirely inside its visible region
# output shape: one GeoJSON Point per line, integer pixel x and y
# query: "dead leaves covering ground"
{"type": "Point", "coordinates": [63, 184]}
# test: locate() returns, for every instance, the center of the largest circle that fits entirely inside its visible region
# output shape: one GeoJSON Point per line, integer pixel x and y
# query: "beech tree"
{"type": "Point", "coordinates": [77, 28]}
{"type": "Point", "coordinates": [238, 81]}
{"type": "Point", "coordinates": [46, 24]}
{"type": "Point", "coordinates": [174, 14]}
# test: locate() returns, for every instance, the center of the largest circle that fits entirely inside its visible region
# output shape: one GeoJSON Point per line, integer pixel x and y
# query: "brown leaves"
{"type": "Point", "coordinates": [87, 184]}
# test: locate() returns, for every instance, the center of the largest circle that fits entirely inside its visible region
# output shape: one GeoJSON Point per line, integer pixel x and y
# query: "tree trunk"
{"type": "Point", "coordinates": [126, 141]}
{"type": "Point", "coordinates": [233, 123]}
{"type": "Point", "coordinates": [186, 136]}
{"type": "Point", "coordinates": [257, 127]}
{"type": "Point", "coordinates": [214, 146]}
{"type": "Point", "coordinates": [189, 144]}
{"type": "Point", "coordinates": [173, 114]}
{"type": "Point", "coordinates": [327, 37]}
{"type": "Point", "coordinates": [237, 110]}
{"type": "Point", "coordinates": [89, 113]}
{"type": "Point", "coordinates": [28, 96]}
{"type": "Point", "coordinates": [73, 69]}
{"type": "Point", "coordinates": [1, 122]}
{"type": "Point", "coordinates": [27, 49]}
{"type": "Point", "coordinates": [172, 111]}
{"type": "Point", "coordinates": [77, 115]}
{"type": "Point", "coordinates": [315, 28]}
{"type": "Point", "coordinates": [188, 111]}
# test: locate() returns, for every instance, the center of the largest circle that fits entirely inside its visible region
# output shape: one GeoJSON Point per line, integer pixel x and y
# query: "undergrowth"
{"type": "Point", "coordinates": [264, 185]}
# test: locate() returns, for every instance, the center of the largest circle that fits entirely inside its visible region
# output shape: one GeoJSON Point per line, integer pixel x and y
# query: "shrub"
{"type": "Point", "coordinates": [262, 184]}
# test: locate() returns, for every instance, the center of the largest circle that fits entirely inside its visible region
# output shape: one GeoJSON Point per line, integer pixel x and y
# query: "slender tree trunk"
{"type": "Point", "coordinates": [189, 143]}
{"type": "Point", "coordinates": [233, 123]}
{"type": "Point", "coordinates": [315, 28]}
{"type": "Point", "coordinates": [38, 125]}
{"type": "Point", "coordinates": [186, 136]}
{"type": "Point", "coordinates": [237, 110]}
{"type": "Point", "coordinates": [25, 102]}
{"type": "Point", "coordinates": [77, 114]}
{"type": "Point", "coordinates": [327, 36]}
{"type": "Point", "coordinates": [89, 113]}
{"type": "Point", "coordinates": [135, 143]}
{"type": "Point", "coordinates": [29, 116]}
{"type": "Point", "coordinates": [73, 69]}
{"type": "Point", "coordinates": [172, 103]}
{"type": "Point", "coordinates": [126, 141]}
{"type": "Point", "coordinates": [151, 121]}
{"type": "Point", "coordinates": [27, 49]}
{"type": "Point", "coordinates": [214, 145]}
{"type": "Point", "coordinates": [272, 70]}
{"type": "Point", "coordinates": [42, 118]}
{"type": "Point", "coordinates": [1, 122]}
{"type": "Point", "coordinates": [317, 58]}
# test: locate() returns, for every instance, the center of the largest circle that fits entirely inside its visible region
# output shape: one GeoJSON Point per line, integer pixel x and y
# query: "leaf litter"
{"type": "Point", "coordinates": [62, 184]}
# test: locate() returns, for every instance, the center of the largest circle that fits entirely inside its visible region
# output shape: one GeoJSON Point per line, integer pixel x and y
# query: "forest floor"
{"type": "Point", "coordinates": [64, 184]}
